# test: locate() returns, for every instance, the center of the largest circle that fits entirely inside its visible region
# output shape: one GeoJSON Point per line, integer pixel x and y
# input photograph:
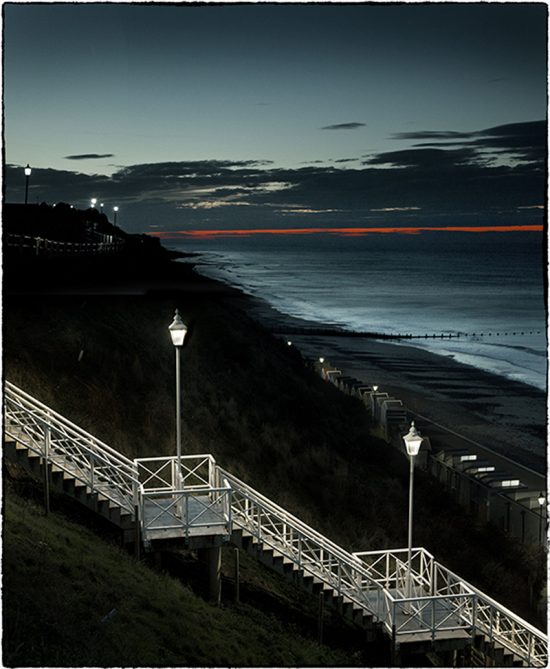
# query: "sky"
{"type": "Point", "coordinates": [190, 116]}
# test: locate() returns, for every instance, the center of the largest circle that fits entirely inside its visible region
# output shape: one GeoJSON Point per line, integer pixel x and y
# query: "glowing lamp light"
{"type": "Point", "coordinates": [289, 343]}
{"type": "Point", "coordinates": [321, 360]}
{"type": "Point", "coordinates": [28, 170]}
{"type": "Point", "coordinates": [375, 388]}
{"type": "Point", "coordinates": [93, 201]}
{"type": "Point", "coordinates": [177, 330]}
{"type": "Point", "coordinates": [541, 499]}
{"type": "Point", "coordinates": [413, 441]}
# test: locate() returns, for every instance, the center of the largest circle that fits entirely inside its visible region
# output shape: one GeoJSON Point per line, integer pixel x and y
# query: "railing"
{"type": "Point", "coordinates": [200, 497]}
{"type": "Point", "coordinates": [185, 500]}
{"type": "Point", "coordinates": [49, 247]}
{"type": "Point", "coordinates": [70, 448]}
{"type": "Point", "coordinates": [444, 601]}
{"type": "Point", "coordinates": [310, 551]}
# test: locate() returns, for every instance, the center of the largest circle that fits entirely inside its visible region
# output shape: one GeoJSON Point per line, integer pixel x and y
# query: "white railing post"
{"type": "Point", "coordinates": [92, 472]}
{"type": "Point", "coordinates": [186, 519]}
{"type": "Point", "coordinates": [45, 464]}
{"type": "Point", "coordinates": [259, 521]}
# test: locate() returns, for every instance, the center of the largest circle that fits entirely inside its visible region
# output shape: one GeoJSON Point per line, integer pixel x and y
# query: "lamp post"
{"type": "Point", "coordinates": [101, 207]}
{"type": "Point", "coordinates": [177, 333]}
{"type": "Point", "coordinates": [27, 175]}
{"type": "Point", "coordinates": [115, 209]}
{"type": "Point", "coordinates": [541, 501]}
{"type": "Point", "coordinates": [413, 441]}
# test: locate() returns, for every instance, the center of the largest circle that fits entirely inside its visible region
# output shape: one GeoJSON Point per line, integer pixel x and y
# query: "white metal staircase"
{"type": "Point", "coordinates": [151, 497]}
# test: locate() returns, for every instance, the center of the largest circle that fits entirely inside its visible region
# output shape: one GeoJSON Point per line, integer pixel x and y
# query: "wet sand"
{"type": "Point", "coordinates": [506, 416]}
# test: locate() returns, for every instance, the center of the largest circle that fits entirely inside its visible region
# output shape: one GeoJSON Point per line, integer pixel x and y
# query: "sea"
{"type": "Point", "coordinates": [488, 287]}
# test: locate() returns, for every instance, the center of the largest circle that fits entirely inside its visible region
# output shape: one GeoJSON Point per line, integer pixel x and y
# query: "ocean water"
{"type": "Point", "coordinates": [489, 287]}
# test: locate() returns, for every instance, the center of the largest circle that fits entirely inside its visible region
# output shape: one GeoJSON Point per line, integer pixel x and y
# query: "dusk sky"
{"type": "Point", "coordinates": [279, 115]}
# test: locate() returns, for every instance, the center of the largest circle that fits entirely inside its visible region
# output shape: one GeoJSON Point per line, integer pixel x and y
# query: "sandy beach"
{"type": "Point", "coordinates": [504, 415]}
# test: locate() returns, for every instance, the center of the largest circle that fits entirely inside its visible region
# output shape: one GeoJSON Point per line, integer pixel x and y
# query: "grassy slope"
{"type": "Point", "coordinates": [71, 599]}
{"type": "Point", "coordinates": [250, 401]}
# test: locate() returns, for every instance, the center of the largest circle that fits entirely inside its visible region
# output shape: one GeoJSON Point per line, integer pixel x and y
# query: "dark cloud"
{"type": "Point", "coordinates": [431, 134]}
{"type": "Point", "coordinates": [344, 126]}
{"type": "Point", "coordinates": [466, 176]}
{"type": "Point", "coordinates": [520, 141]}
{"type": "Point", "coordinates": [426, 158]}
{"type": "Point", "coordinates": [90, 156]}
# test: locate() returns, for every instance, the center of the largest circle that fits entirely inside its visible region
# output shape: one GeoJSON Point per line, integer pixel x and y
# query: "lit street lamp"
{"type": "Point", "coordinates": [115, 209]}
{"type": "Point", "coordinates": [177, 333]}
{"type": "Point", "coordinates": [94, 201]}
{"type": "Point", "coordinates": [541, 500]}
{"type": "Point", "coordinates": [413, 441]}
{"type": "Point", "coordinates": [101, 207]}
{"type": "Point", "coordinates": [27, 175]}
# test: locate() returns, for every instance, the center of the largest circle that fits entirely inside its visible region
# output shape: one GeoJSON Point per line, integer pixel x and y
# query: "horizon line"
{"type": "Point", "coordinates": [341, 232]}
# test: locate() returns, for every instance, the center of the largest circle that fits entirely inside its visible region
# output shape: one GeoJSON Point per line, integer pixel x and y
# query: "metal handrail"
{"type": "Point", "coordinates": [485, 614]}
{"type": "Point", "coordinates": [70, 448]}
{"type": "Point", "coordinates": [370, 580]}
{"type": "Point", "coordinates": [307, 548]}
{"type": "Point", "coordinates": [163, 470]}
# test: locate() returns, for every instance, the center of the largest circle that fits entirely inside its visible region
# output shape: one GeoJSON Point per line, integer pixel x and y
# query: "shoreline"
{"type": "Point", "coordinates": [504, 415]}
{"type": "Point", "coordinates": [508, 416]}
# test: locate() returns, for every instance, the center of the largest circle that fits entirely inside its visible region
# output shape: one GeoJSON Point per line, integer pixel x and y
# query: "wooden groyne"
{"type": "Point", "coordinates": [334, 332]}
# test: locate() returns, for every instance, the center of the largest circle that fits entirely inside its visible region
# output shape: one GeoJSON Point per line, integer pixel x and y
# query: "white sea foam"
{"type": "Point", "coordinates": [394, 285]}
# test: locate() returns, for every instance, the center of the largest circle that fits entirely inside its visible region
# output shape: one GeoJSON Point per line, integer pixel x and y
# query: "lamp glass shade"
{"type": "Point", "coordinates": [413, 441]}
{"type": "Point", "coordinates": [541, 498]}
{"type": "Point", "coordinates": [115, 208]}
{"type": "Point", "coordinates": [321, 360]}
{"type": "Point", "coordinates": [375, 388]}
{"type": "Point", "coordinates": [177, 330]}
{"type": "Point", "coordinates": [28, 171]}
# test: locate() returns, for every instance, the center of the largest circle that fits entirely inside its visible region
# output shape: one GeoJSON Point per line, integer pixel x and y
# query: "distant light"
{"type": "Point", "coordinates": [321, 360]}
{"type": "Point", "coordinates": [28, 170]}
{"type": "Point", "coordinates": [289, 343]}
{"type": "Point", "coordinates": [94, 200]}
{"type": "Point", "coordinates": [115, 208]}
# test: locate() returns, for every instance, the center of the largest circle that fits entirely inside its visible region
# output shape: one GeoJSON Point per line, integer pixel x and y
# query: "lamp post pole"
{"type": "Point", "coordinates": [178, 331]}
{"type": "Point", "coordinates": [541, 500]}
{"type": "Point", "coordinates": [27, 175]}
{"type": "Point", "coordinates": [115, 209]}
{"type": "Point", "coordinates": [413, 441]}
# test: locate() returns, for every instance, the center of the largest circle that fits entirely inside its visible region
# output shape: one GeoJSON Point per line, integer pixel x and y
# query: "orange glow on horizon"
{"type": "Point", "coordinates": [343, 232]}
